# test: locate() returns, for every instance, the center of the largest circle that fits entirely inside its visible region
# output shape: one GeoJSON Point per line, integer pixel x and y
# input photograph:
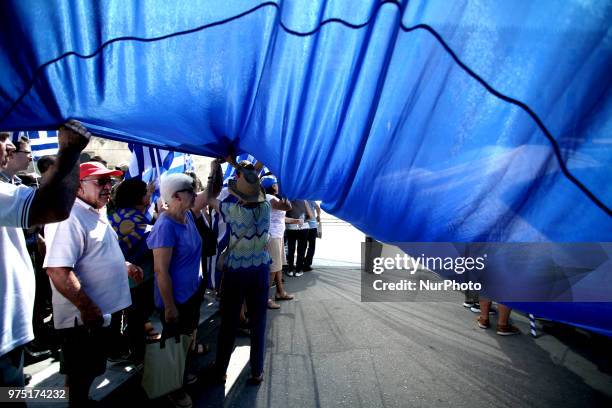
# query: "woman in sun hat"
{"type": "Point", "coordinates": [247, 270]}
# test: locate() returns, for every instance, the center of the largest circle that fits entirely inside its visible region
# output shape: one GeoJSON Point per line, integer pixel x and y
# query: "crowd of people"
{"type": "Point", "coordinates": [93, 250]}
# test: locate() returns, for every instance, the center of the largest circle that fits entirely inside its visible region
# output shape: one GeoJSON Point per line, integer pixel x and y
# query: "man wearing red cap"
{"type": "Point", "coordinates": [22, 207]}
{"type": "Point", "coordinates": [90, 280]}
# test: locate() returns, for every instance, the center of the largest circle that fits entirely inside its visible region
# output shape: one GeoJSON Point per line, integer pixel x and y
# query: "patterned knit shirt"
{"type": "Point", "coordinates": [252, 224]}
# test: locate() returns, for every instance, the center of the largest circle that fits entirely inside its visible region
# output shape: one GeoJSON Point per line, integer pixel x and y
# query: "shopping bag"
{"type": "Point", "coordinates": [319, 230]}
{"type": "Point", "coordinates": [164, 365]}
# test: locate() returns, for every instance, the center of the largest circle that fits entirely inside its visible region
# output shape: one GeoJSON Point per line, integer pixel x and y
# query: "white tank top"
{"type": "Point", "coordinates": [277, 220]}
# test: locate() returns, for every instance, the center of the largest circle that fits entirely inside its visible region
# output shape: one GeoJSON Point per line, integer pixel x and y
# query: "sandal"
{"type": "Point", "coordinates": [483, 323]}
{"type": "Point", "coordinates": [191, 379]}
{"type": "Point", "coordinates": [272, 304]}
{"type": "Point", "coordinates": [255, 380]}
{"type": "Point", "coordinates": [284, 296]}
{"type": "Point", "coordinates": [507, 330]}
{"type": "Point", "coordinates": [180, 399]}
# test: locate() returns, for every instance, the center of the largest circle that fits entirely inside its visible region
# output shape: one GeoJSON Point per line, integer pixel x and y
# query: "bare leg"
{"type": "Point", "coordinates": [272, 277]}
{"type": "Point", "coordinates": [278, 278]}
{"type": "Point", "coordinates": [504, 314]}
{"type": "Point", "coordinates": [483, 319]}
{"type": "Point", "coordinates": [271, 303]}
{"type": "Point", "coordinates": [485, 307]}
{"type": "Point", "coordinates": [280, 288]}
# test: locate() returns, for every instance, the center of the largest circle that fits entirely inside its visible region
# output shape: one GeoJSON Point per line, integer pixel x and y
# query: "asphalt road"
{"type": "Point", "coordinates": [328, 349]}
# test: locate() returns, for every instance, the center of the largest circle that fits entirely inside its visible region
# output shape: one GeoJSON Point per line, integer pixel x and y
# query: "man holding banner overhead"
{"type": "Point", "coordinates": [22, 207]}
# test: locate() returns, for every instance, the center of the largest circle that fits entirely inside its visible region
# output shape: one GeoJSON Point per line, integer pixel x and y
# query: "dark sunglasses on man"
{"type": "Point", "coordinates": [102, 181]}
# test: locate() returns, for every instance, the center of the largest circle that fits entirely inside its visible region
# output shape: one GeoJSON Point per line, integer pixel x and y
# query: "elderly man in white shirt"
{"type": "Point", "coordinates": [88, 275]}
{"type": "Point", "coordinates": [22, 207]}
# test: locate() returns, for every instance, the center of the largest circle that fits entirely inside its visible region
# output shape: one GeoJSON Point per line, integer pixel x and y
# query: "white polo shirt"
{"type": "Point", "coordinates": [17, 282]}
{"type": "Point", "coordinates": [88, 244]}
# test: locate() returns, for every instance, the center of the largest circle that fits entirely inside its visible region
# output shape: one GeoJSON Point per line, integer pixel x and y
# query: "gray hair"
{"type": "Point", "coordinates": [171, 183]}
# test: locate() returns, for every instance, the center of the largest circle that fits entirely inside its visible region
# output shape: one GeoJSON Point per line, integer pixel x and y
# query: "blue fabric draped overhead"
{"type": "Point", "coordinates": [415, 121]}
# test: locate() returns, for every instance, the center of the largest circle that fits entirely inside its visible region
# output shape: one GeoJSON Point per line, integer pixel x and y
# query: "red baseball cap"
{"type": "Point", "coordinates": [97, 169]}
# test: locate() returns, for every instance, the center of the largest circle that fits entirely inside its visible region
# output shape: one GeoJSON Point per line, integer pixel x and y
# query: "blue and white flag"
{"type": "Point", "coordinates": [42, 143]}
{"type": "Point", "coordinates": [149, 164]}
{"type": "Point", "coordinates": [229, 171]}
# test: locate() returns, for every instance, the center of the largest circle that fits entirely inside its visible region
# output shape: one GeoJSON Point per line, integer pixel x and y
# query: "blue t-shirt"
{"type": "Point", "coordinates": [185, 266]}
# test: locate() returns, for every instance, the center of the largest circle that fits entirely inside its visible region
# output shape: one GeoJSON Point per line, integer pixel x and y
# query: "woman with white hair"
{"type": "Point", "coordinates": [177, 250]}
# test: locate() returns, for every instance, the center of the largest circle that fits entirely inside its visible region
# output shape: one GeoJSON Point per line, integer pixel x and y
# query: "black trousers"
{"type": "Point", "coordinates": [11, 368]}
{"type": "Point", "coordinates": [299, 237]}
{"type": "Point", "coordinates": [240, 285]}
{"type": "Point", "coordinates": [311, 239]}
{"type": "Point", "coordinates": [137, 314]}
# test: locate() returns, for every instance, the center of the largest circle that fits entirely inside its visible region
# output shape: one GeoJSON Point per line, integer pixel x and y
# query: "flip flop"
{"type": "Point", "coordinates": [284, 296]}
{"type": "Point", "coordinates": [191, 379]}
{"type": "Point", "coordinates": [273, 305]}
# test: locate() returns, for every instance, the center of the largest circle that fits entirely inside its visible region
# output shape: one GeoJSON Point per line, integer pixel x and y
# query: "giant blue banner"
{"type": "Point", "coordinates": [462, 121]}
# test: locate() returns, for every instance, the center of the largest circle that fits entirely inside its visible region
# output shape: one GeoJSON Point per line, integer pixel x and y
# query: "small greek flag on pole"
{"type": "Point", "coordinates": [42, 142]}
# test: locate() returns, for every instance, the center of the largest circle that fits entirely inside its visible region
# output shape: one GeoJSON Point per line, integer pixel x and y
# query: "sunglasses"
{"type": "Point", "coordinates": [102, 181]}
{"type": "Point", "coordinates": [23, 151]}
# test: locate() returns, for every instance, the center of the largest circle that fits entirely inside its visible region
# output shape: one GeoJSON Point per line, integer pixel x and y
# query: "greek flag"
{"type": "Point", "coordinates": [149, 164]}
{"type": "Point", "coordinates": [42, 143]}
{"type": "Point", "coordinates": [229, 171]}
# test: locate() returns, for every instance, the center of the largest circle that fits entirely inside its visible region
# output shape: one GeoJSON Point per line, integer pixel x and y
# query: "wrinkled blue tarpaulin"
{"type": "Point", "coordinates": [414, 121]}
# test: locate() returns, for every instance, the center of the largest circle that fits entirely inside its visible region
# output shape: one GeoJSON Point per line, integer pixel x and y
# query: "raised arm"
{"type": "Point", "coordinates": [54, 199]}
{"type": "Point", "coordinates": [317, 210]}
{"type": "Point", "coordinates": [283, 204]}
{"type": "Point", "coordinates": [214, 185]}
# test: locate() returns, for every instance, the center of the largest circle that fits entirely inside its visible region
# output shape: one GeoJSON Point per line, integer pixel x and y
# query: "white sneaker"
{"type": "Point", "coordinates": [300, 273]}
